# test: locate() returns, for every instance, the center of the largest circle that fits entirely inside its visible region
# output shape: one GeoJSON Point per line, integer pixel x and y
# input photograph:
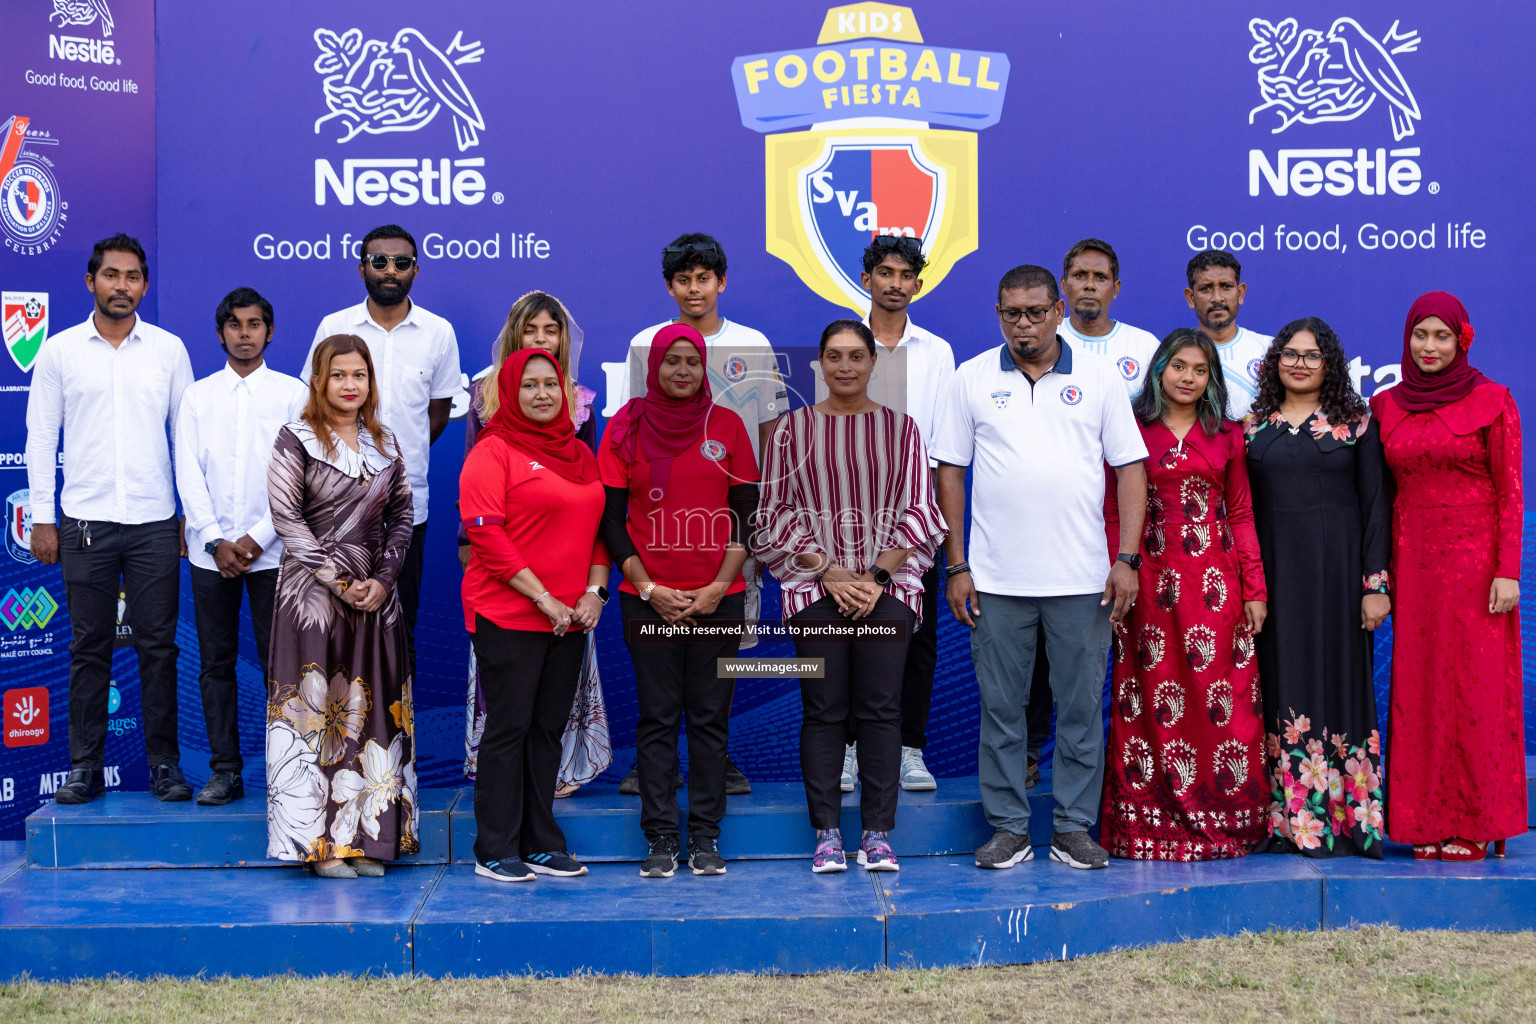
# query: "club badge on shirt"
{"type": "Point", "coordinates": [1071, 394]}
{"type": "Point", "coordinates": [1128, 367]}
{"type": "Point", "coordinates": [712, 450]}
{"type": "Point", "coordinates": [1254, 365]}
{"type": "Point", "coordinates": [735, 369]}
{"type": "Point", "coordinates": [1000, 398]}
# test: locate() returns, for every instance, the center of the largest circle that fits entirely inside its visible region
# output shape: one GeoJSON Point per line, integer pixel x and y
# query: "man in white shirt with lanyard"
{"type": "Point", "coordinates": [1215, 293]}
{"type": "Point", "coordinates": [744, 376]}
{"type": "Point", "coordinates": [416, 355]}
{"type": "Point", "coordinates": [911, 376]}
{"type": "Point", "coordinates": [1090, 283]}
{"type": "Point", "coordinates": [113, 384]}
{"type": "Point", "coordinates": [1035, 422]}
{"type": "Point", "coordinates": [224, 434]}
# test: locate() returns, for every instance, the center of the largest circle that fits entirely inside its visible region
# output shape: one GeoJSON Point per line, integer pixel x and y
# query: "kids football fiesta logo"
{"type": "Point", "coordinates": [869, 164]}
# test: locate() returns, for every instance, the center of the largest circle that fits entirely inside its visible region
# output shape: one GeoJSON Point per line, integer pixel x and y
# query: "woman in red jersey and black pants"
{"type": "Point", "coordinates": [849, 525]}
{"type": "Point", "coordinates": [681, 482]}
{"type": "Point", "coordinates": [531, 502]}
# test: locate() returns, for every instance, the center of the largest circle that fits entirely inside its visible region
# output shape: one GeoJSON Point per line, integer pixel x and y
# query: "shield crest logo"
{"type": "Point", "coordinates": [25, 319]}
{"type": "Point", "coordinates": [831, 192]}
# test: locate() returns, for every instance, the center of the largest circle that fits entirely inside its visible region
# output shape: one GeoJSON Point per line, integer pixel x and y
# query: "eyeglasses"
{"type": "Point", "coordinates": [897, 243]}
{"type": "Point", "coordinates": [1035, 314]}
{"type": "Point", "coordinates": [379, 261]}
{"type": "Point", "coordinates": [687, 247]}
{"type": "Point", "coordinates": [1311, 360]}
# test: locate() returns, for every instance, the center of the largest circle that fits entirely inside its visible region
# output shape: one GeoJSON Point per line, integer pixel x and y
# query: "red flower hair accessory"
{"type": "Point", "coordinates": [1464, 336]}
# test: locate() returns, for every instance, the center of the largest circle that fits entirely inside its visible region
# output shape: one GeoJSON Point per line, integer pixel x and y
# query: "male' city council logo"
{"type": "Point", "coordinates": [1128, 367]}
{"type": "Point", "coordinates": [82, 12]}
{"type": "Point", "coordinates": [1071, 394]}
{"type": "Point", "coordinates": [1311, 76]}
{"type": "Point", "coordinates": [832, 189]}
{"type": "Point", "coordinates": [25, 319]}
{"type": "Point", "coordinates": [27, 609]}
{"type": "Point", "coordinates": [399, 86]}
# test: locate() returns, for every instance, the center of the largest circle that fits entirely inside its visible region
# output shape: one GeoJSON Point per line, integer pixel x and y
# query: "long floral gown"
{"type": "Point", "coordinates": [341, 773]}
{"type": "Point", "coordinates": [1184, 774]}
{"type": "Point", "coordinates": [1455, 757]}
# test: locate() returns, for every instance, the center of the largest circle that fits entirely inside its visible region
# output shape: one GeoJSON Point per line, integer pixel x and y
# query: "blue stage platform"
{"type": "Point", "coordinates": [212, 909]}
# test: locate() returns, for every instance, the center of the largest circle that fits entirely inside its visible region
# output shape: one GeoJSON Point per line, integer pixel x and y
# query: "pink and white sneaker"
{"type": "Point", "coordinates": [875, 853]}
{"type": "Point", "coordinates": [829, 852]}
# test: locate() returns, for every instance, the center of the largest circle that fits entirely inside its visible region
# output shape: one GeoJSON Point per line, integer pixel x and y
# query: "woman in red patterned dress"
{"type": "Point", "coordinates": [1455, 736]}
{"type": "Point", "coordinates": [1184, 778]}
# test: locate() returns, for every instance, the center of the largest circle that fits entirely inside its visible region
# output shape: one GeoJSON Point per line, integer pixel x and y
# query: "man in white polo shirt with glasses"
{"type": "Point", "coordinates": [1036, 422]}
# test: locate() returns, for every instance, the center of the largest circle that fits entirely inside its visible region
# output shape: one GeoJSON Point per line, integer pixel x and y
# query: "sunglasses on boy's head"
{"type": "Point", "coordinates": [687, 247]}
{"type": "Point", "coordinates": [379, 261]}
{"type": "Point", "coordinates": [899, 243]}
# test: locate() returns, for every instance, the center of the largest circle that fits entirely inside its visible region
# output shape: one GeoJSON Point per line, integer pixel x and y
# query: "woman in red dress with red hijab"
{"type": "Point", "coordinates": [1455, 758]}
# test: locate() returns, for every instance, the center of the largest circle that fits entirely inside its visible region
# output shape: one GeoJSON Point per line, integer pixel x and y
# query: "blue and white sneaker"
{"type": "Point", "coordinates": [559, 864]}
{"type": "Point", "coordinates": [504, 870]}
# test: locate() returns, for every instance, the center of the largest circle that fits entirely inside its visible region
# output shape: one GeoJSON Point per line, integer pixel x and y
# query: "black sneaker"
{"type": "Point", "coordinates": [1076, 850]}
{"type": "Point", "coordinates": [82, 786]}
{"type": "Point", "coordinates": [559, 863]}
{"type": "Point", "coordinates": [168, 784]}
{"type": "Point", "coordinates": [704, 856]}
{"type": "Point", "coordinates": [222, 787]}
{"type": "Point", "coordinates": [504, 871]}
{"type": "Point", "coordinates": [630, 784]}
{"type": "Point", "coordinates": [1032, 773]}
{"type": "Point", "coordinates": [1004, 850]}
{"type": "Point", "coordinates": [660, 856]}
{"type": "Point", "coordinates": [736, 784]}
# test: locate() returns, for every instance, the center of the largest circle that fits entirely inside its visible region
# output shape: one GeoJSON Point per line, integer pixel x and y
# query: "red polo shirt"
{"type": "Point", "coordinates": [681, 539]}
{"type": "Point", "coordinates": [522, 515]}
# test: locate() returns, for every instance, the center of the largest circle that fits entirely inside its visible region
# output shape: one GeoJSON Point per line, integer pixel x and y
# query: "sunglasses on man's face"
{"type": "Point", "coordinates": [379, 261]}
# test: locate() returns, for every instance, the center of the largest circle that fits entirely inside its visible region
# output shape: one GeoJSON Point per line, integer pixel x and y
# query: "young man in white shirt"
{"type": "Point", "coordinates": [744, 376]}
{"type": "Point", "coordinates": [416, 356]}
{"type": "Point", "coordinates": [224, 433]}
{"type": "Point", "coordinates": [1216, 293]}
{"type": "Point", "coordinates": [112, 384]}
{"type": "Point", "coordinates": [912, 376]}
{"type": "Point", "coordinates": [1036, 422]}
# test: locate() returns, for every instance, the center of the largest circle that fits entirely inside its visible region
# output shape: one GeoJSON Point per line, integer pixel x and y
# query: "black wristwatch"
{"type": "Point", "coordinates": [212, 547]}
{"type": "Point", "coordinates": [1134, 561]}
{"type": "Point", "coordinates": [882, 576]}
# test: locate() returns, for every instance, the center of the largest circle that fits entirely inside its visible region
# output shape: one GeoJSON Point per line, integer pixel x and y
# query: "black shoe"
{"type": "Point", "coordinates": [223, 787]}
{"type": "Point", "coordinates": [661, 856]}
{"type": "Point", "coordinates": [504, 870]}
{"type": "Point", "coordinates": [1076, 850]}
{"type": "Point", "coordinates": [1004, 850]}
{"type": "Point", "coordinates": [704, 856]}
{"type": "Point", "coordinates": [1032, 773]}
{"type": "Point", "coordinates": [736, 784]}
{"type": "Point", "coordinates": [82, 786]}
{"type": "Point", "coordinates": [558, 863]}
{"type": "Point", "coordinates": [168, 784]}
{"type": "Point", "coordinates": [630, 785]}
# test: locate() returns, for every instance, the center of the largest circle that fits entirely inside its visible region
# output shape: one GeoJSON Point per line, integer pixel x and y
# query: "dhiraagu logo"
{"type": "Point", "coordinates": [870, 164]}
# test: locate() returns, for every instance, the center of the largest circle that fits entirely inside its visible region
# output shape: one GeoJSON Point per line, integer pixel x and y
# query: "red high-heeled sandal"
{"type": "Point", "coordinates": [1426, 851]}
{"type": "Point", "coordinates": [1463, 850]}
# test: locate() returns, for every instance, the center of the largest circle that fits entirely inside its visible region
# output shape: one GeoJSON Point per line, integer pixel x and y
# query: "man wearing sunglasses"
{"type": "Point", "coordinates": [915, 368]}
{"type": "Point", "coordinates": [1216, 292]}
{"type": "Point", "coordinates": [1036, 421]}
{"type": "Point", "coordinates": [416, 356]}
{"type": "Point", "coordinates": [744, 377]}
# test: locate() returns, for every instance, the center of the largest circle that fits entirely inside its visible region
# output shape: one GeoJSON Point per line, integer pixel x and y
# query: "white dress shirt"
{"type": "Point", "coordinates": [416, 362]}
{"type": "Point", "coordinates": [115, 405]}
{"type": "Point", "coordinates": [912, 378]}
{"type": "Point", "coordinates": [224, 435]}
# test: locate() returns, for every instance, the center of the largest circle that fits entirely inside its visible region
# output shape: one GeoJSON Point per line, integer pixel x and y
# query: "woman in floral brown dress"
{"type": "Point", "coordinates": [341, 775]}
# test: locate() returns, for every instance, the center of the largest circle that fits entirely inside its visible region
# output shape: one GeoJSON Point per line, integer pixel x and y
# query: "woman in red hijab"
{"type": "Point", "coordinates": [681, 486]}
{"type": "Point", "coordinates": [1455, 759]}
{"type": "Point", "coordinates": [530, 501]}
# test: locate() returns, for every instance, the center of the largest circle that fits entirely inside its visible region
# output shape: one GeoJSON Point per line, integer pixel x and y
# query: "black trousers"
{"type": "Point", "coordinates": [529, 682]}
{"type": "Point", "coordinates": [216, 605]}
{"type": "Point", "coordinates": [670, 679]}
{"type": "Point", "coordinates": [917, 676]}
{"type": "Point", "coordinates": [142, 562]}
{"type": "Point", "coordinates": [408, 586]}
{"type": "Point", "coordinates": [862, 680]}
{"type": "Point", "coordinates": [1038, 714]}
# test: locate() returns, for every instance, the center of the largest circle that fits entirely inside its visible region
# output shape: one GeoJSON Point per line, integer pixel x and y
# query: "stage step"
{"type": "Point", "coordinates": [763, 916]}
{"type": "Point", "coordinates": [133, 830]}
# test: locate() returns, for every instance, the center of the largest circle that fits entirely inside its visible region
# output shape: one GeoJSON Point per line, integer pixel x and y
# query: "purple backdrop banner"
{"type": "Point", "coordinates": [1352, 158]}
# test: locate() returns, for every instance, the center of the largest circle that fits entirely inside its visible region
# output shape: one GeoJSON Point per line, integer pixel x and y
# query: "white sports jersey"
{"type": "Point", "coordinates": [1240, 361]}
{"type": "Point", "coordinates": [1130, 348]}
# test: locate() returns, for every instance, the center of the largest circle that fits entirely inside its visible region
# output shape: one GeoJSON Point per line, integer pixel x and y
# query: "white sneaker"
{"type": "Point", "coordinates": [850, 767]}
{"type": "Point", "coordinates": [915, 776]}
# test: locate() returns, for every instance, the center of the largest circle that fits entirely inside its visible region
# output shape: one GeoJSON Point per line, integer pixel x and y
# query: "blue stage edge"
{"type": "Point", "coordinates": [71, 906]}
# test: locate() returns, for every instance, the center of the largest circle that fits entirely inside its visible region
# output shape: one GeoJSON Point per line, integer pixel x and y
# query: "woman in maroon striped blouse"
{"type": "Point", "coordinates": [848, 524]}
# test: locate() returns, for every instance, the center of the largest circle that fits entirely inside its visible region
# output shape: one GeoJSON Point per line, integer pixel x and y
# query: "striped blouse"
{"type": "Point", "coordinates": [851, 487]}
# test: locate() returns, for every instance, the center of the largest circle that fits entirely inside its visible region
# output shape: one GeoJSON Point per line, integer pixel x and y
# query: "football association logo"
{"type": "Point", "coordinates": [31, 212]}
{"type": "Point", "coordinates": [1312, 76]}
{"type": "Point", "coordinates": [1128, 367]}
{"type": "Point", "coordinates": [831, 189]}
{"type": "Point", "coordinates": [712, 450]}
{"type": "Point", "coordinates": [18, 526]}
{"type": "Point", "coordinates": [25, 319]}
{"type": "Point", "coordinates": [1071, 394]}
{"type": "Point", "coordinates": [378, 87]}
{"type": "Point", "coordinates": [1254, 366]}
